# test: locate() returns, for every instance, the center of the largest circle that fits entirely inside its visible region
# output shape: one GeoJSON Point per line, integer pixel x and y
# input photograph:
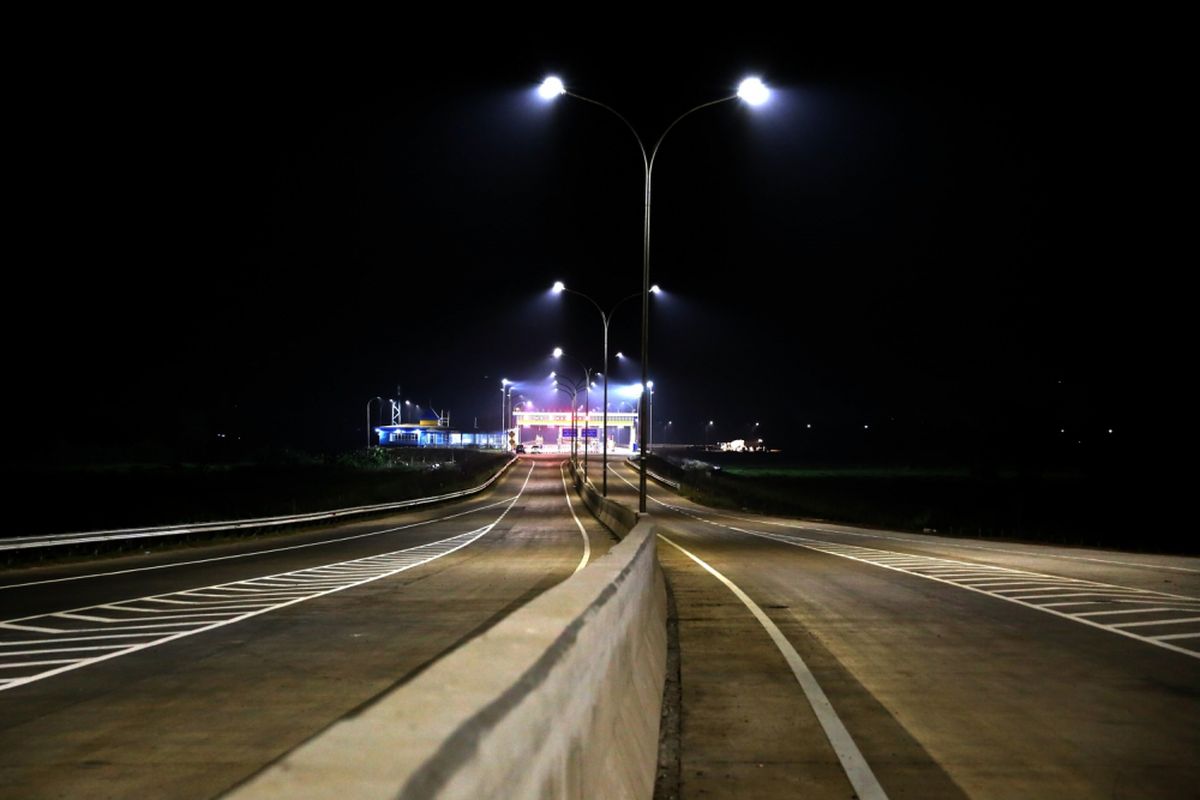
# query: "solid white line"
{"type": "Point", "coordinates": [63, 649]}
{"type": "Point", "coordinates": [57, 639]}
{"type": "Point", "coordinates": [255, 552]}
{"type": "Point", "coordinates": [587, 546]}
{"type": "Point", "coordinates": [1141, 623]}
{"type": "Point", "coordinates": [474, 535]}
{"type": "Point", "coordinates": [35, 664]}
{"type": "Point", "coordinates": [862, 779]}
{"type": "Point", "coordinates": [1072, 617]}
{"type": "Point", "coordinates": [1119, 611]}
{"type": "Point", "coordinates": [1177, 636]}
{"type": "Point", "coordinates": [820, 547]}
{"type": "Point", "coordinates": [946, 542]}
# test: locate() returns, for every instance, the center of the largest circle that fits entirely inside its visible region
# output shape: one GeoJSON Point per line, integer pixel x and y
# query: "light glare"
{"type": "Point", "coordinates": [753, 91]}
{"type": "Point", "coordinates": [557, 352]}
{"type": "Point", "coordinates": [551, 88]}
{"type": "Point", "coordinates": [558, 287]}
{"type": "Point", "coordinates": [654, 289]}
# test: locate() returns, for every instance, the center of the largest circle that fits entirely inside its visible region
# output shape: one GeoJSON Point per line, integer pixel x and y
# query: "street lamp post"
{"type": "Point", "coordinates": [372, 400]}
{"type": "Point", "coordinates": [506, 387]}
{"type": "Point", "coordinates": [753, 92]}
{"type": "Point", "coordinates": [605, 318]}
{"type": "Point", "coordinates": [587, 385]}
{"type": "Point", "coordinates": [650, 419]}
{"type": "Point", "coordinates": [572, 391]}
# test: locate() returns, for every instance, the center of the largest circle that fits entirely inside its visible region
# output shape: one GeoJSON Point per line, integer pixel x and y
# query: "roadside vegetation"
{"type": "Point", "coordinates": [62, 498]}
{"type": "Point", "coordinates": [1052, 505]}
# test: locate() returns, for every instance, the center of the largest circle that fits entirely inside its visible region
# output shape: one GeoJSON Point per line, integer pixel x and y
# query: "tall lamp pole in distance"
{"type": "Point", "coordinates": [372, 400]}
{"type": "Point", "coordinates": [587, 384]}
{"type": "Point", "coordinates": [650, 388]}
{"type": "Point", "coordinates": [505, 393]}
{"type": "Point", "coordinates": [754, 93]}
{"type": "Point", "coordinates": [571, 390]}
{"type": "Point", "coordinates": [605, 318]}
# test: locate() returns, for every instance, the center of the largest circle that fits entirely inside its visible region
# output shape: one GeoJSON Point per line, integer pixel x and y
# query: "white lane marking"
{"type": "Point", "coordinates": [363, 570]}
{"type": "Point", "coordinates": [587, 546]}
{"type": "Point", "coordinates": [950, 542]}
{"type": "Point", "coordinates": [918, 566]}
{"type": "Point", "coordinates": [256, 552]}
{"type": "Point", "coordinates": [1178, 636]}
{"type": "Point", "coordinates": [1144, 622]}
{"type": "Point", "coordinates": [1121, 611]}
{"type": "Point", "coordinates": [862, 779]}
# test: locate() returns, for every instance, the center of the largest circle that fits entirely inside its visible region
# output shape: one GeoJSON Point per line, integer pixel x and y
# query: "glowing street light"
{"type": "Point", "coordinates": [751, 90]}
{"type": "Point", "coordinates": [551, 88]}
{"type": "Point", "coordinates": [754, 93]}
{"type": "Point", "coordinates": [605, 318]}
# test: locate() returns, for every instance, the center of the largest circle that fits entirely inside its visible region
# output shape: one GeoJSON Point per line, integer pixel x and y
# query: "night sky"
{"type": "Point", "coordinates": [251, 236]}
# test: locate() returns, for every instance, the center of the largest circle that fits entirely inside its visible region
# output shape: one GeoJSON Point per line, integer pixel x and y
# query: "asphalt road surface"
{"type": "Point", "coordinates": [179, 674]}
{"type": "Point", "coordinates": [827, 661]}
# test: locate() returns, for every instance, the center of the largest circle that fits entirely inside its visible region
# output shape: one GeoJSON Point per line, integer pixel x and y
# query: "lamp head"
{"type": "Point", "coordinates": [551, 88]}
{"type": "Point", "coordinates": [753, 91]}
{"type": "Point", "coordinates": [558, 351]}
{"type": "Point", "coordinates": [557, 287]}
{"type": "Point", "coordinates": [654, 289]}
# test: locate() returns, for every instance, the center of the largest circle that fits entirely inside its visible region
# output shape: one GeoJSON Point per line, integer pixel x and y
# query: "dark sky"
{"type": "Point", "coordinates": [254, 236]}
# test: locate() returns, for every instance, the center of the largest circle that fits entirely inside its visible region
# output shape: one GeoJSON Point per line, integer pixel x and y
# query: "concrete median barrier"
{"type": "Point", "coordinates": [617, 518]}
{"type": "Point", "coordinates": [560, 699]}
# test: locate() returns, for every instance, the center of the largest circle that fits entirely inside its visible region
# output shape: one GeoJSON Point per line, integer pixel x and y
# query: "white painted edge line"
{"type": "Point", "coordinates": [862, 779]}
{"type": "Point", "coordinates": [77, 664]}
{"type": "Point", "coordinates": [650, 473]}
{"type": "Point", "coordinates": [587, 546]}
{"type": "Point", "coordinates": [254, 553]}
{"type": "Point", "coordinates": [1006, 598]}
{"type": "Point", "coordinates": [950, 542]}
{"type": "Point", "coordinates": [119, 534]}
{"type": "Point", "coordinates": [1067, 583]}
{"type": "Point", "coordinates": [1152, 596]}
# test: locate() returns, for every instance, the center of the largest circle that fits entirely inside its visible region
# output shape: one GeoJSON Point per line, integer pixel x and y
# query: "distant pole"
{"type": "Point", "coordinates": [372, 400]}
{"type": "Point", "coordinates": [650, 446]}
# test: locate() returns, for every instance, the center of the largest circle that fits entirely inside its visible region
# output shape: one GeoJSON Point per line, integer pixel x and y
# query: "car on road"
{"type": "Point", "coordinates": [520, 448]}
{"type": "Point", "coordinates": [536, 448]}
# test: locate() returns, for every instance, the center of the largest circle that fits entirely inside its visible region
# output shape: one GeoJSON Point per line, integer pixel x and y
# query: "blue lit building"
{"type": "Point", "coordinates": [433, 431]}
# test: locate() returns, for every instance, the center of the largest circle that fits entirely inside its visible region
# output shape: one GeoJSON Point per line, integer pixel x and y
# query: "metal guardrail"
{"type": "Point", "coordinates": [664, 481]}
{"type": "Point", "coordinates": [119, 534]}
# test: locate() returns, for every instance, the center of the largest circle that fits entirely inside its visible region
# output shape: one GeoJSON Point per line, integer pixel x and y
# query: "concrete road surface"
{"type": "Point", "coordinates": [179, 674]}
{"type": "Point", "coordinates": [827, 661]}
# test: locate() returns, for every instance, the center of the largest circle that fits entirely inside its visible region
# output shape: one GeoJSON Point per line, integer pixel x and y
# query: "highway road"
{"type": "Point", "coordinates": [824, 660]}
{"type": "Point", "coordinates": [179, 674]}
